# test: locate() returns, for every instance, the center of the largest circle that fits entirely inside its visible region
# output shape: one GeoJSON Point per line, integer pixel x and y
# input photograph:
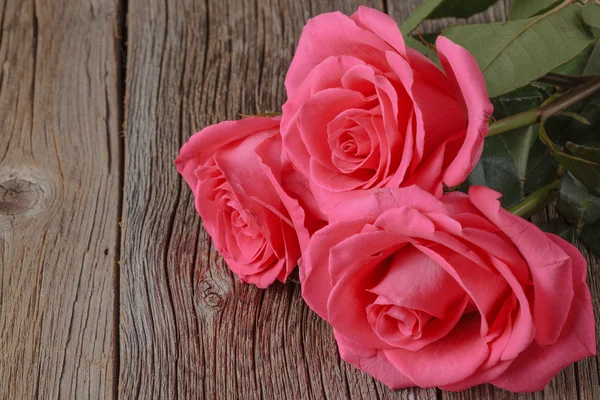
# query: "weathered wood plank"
{"type": "Point", "coordinates": [59, 197]}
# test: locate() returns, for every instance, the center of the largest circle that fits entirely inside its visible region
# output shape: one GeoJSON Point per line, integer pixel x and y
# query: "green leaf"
{"type": "Point", "coordinates": [501, 166]}
{"type": "Point", "coordinates": [520, 9]}
{"type": "Point", "coordinates": [431, 9]}
{"type": "Point", "coordinates": [577, 65]}
{"type": "Point", "coordinates": [575, 116]}
{"type": "Point", "coordinates": [513, 54]}
{"type": "Point", "coordinates": [506, 163]}
{"type": "Point", "coordinates": [541, 168]}
{"type": "Point", "coordinates": [593, 63]}
{"type": "Point", "coordinates": [562, 228]}
{"type": "Point", "coordinates": [428, 37]}
{"type": "Point", "coordinates": [563, 130]}
{"type": "Point", "coordinates": [461, 8]}
{"type": "Point", "coordinates": [586, 172]}
{"type": "Point", "coordinates": [590, 237]}
{"type": "Point", "coordinates": [419, 15]}
{"type": "Point", "coordinates": [582, 162]}
{"type": "Point", "coordinates": [591, 14]}
{"type": "Point", "coordinates": [517, 101]}
{"type": "Point", "coordinates": [519, 143]}
{"type": "Point", "coordinates": [576, 203]}
{"type": "Point", "coordinates": [585, 152]}
{"type": "Point", "coordinates": [535, 166]}
{"type": "Point", "coordinates": [422, 48]}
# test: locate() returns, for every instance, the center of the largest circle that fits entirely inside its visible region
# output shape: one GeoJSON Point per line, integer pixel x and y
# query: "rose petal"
{"type": "Point", "coordinates": [326, 75]}
{"type": "Point", "coordinates": [349, 300]}
{"type": "Point", "coordinates": [537, 365]}
{"type": "Point", "coordinates": [372, 362]}
{"type": "Point", "coordinates": [204, 143]}
{"type": "Point", "coordinates": [466, 78]}
{"type": "Point", "coordinates": [332, 34]}
{"type": "Point", "coordinates": [273, 165]}
{"type": "Point", "coordinates": [549, 264]}
{"type": "Point", "coordinates": [414, 281]}
{"type": "Point", "coordinates": [381, 25]}
{"type": "Point", "coordinates": [314, 271]}
{"type": "Point", "coordinates": [446, 361]}
{"type": "Point", "coordinates": [374, 202]}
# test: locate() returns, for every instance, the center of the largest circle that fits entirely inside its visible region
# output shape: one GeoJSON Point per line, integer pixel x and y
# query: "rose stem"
{"type": "Point", "coordinates": [564, 80]}
{"type": "Point", "coordinates": [533, 116]}
{"type": "Point", "coordinates": [570, 98]}
{"type": "Point", "coordinates": [526, 118]}
{"type": "Point", "coordinates": [536, 200]}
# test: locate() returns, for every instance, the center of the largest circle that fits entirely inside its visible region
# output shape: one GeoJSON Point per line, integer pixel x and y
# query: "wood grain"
{"type": "Point", "coordinates": [59, 197]}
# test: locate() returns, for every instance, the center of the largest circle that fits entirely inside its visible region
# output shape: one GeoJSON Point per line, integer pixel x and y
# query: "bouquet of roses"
{"type": "Point", "coordinates": [399, 190]}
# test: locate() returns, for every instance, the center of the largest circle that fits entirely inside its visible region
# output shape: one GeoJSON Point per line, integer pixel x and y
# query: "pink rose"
{"type": "Point", "coordinates": [364, 111]}
{"type": "Point", "coordinates": [449, 293]}
{"type": "Point", "coordinates": [236, 171]}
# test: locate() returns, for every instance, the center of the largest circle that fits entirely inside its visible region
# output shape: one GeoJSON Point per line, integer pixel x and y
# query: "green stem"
{"type": "Point", "coordinates": [556, 105]}
{"type": "Point", "coordinates": [536, 200]}
{"type": "Point", "coordinates": [526, 118]}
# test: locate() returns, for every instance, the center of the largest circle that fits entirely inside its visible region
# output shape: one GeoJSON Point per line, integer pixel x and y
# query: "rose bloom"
{"type": "Point", "coordinates": [449, 293]}
{"type": "Point", "coordinates": [237, 173]}
{"type": "Point", "coordinates": [364, 111]}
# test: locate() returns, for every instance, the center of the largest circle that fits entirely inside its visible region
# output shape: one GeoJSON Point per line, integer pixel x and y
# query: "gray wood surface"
{"type": "Point", "coordinates": [59, 198]}
{"type": "Point", "coordinates": [109, 286]}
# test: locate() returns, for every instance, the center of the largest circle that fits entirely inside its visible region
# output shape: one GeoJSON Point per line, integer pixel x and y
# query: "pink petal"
{"type": "Point", "coordinates": [414, 281]}
{"type": "Point", "coordinates": [487, 290]}
{"type": "Point", "coordinates": [349, 299]}
{"type": "Point", "coordinates": [332, 34]}
{"type": "Point", "coordinates": [317, 113]}
{"type": "Point", "coordinates": [439, 116]}
{"type": "Point", "coordinates": [550, 266]}
{"type": "Point", "coordinates": [273, 165]}
{"type": "Point", "coordinates": [537, 365]}
{"type": "Point", "coordinates": [374, 202]}
{"type": "Point", "coordinates": [449, 360]}
{"type": "Point", "coordinates": [204, 143]}
{"type": "Point", "coordinates": [372, 362]}
{"type": "Point", "coordinates": [314, 270]}
{"type": "Point", "coordinates": [358, 248]}
{"type": "Point", "coordinates": [326, 75]}
{"type": "Point", "coordinates": [466, 78]}
{"type": "Point", "coordinates": [381, 25]}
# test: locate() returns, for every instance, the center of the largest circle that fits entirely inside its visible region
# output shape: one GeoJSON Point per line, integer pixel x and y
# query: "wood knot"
{"type": "Point", "coordinates": [210, 295]}
{"type": "Point", "coordinates": [18, 196]}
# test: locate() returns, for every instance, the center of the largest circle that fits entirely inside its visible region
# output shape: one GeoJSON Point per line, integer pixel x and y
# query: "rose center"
{"type": "Point", "coordinates": [241, 222]}
{"type": "Point", "coordinates": [394, 323]}
{"type": "Point", "coordinates": [416, 300]}
{"type": "Point", "coordinates": [349, 147]}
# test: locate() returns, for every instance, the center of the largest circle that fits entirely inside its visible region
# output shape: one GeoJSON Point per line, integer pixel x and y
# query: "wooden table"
{"type": "Point", "coordinates": [109, 287]}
